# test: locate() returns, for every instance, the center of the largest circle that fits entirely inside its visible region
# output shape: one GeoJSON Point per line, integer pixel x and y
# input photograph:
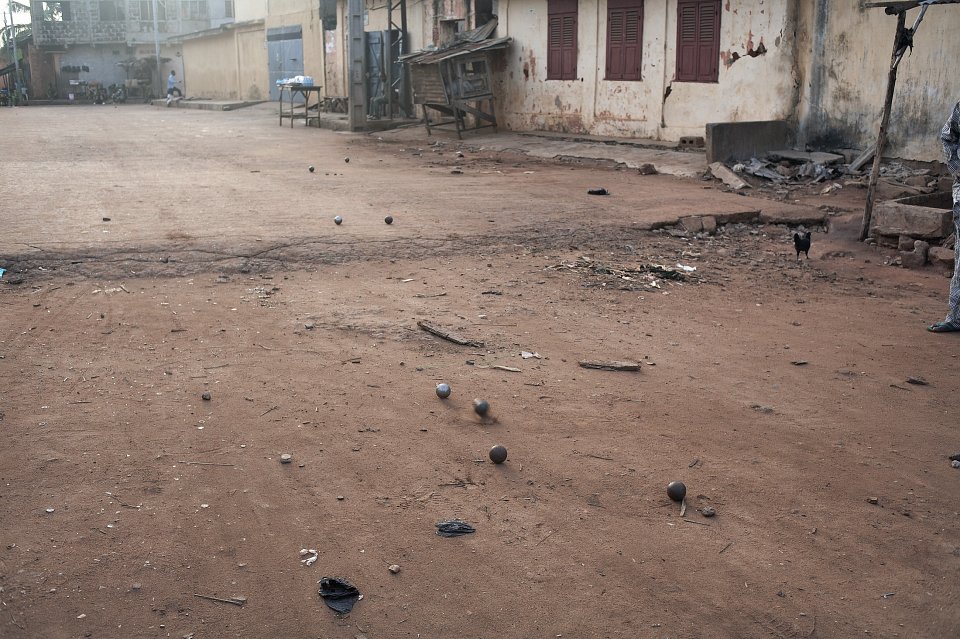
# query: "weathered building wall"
{"type": "Point", "coordinates": [231, 65]}
{"type": "Point", "coordinates": [306, 14]}
{"type": "Point", "coordinates": [751, 86]}
{"type": "Point", "coordinates": [100, 60]}
{"type": "Point", "coordinates": [845, 57]}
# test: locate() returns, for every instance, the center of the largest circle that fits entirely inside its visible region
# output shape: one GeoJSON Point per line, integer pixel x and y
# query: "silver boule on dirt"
{"type": "Point", "coordinates": [311, 168]}
{"type": "Point", "coordinates": [338, 220]}
{"type": "Point", "coordinates": [388, 219]}
{"type": "Point", "coordinates": [481, 407]}
{"type": "Point", "coordinates": [443, 391]}
{"type": "Point", "coordinates": [498, 454]}
{"type": "Point", "coordinates": [676, 490]}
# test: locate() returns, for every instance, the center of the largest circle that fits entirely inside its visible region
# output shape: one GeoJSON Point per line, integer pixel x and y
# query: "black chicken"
{"type": "Point", "coordinates": [801, 242]}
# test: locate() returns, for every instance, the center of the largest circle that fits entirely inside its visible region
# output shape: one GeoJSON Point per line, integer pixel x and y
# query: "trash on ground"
{"type": "Point", "coordinates": [236, 601]}
{"type": "Point", "coordinates": [339, 594]}
{"type": "Point", "coordinates": [394, 568]}
{"type": "Point", "coordinates": [447, 335]}
{"type": "Point", "coordinates": [917, 381]}
{"type": "Point", "coordinates": [529, 355]}
{"type": "Point", "coordinates": [599, 191]}
{"type": "Point", "coordinates": [685, 268]}
{"type": "Point", "coordinates": [611, 366]}
{"type": "Point", "coordinates": [309, 556]}
{"type": "Point", "coordinates": [454, 528]}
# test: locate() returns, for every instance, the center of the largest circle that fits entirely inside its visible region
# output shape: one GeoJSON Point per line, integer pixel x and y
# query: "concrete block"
{"type": "Point", "coordinates": [692, 224]}
{"type": "Point", "coordinates": [920, 216]}
{"type": "Point", "coordinates": [942, 257]}
{"type": "Point", "coordinates": [709, 224]}
{"type": "Point", "coordinates": [916, 258]}
{"type": "Point", "coordinates": [731, 179]}
{"type": "Point", "coordinates": [740, 141]}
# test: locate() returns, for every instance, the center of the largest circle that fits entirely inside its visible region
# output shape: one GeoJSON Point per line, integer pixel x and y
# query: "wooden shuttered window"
{"type": "Point", "coordinates": [562, 40]}
{"type": "Point", "coordinates": [698, 40]}
{"type": "Point", "coordinates": [624, 39]}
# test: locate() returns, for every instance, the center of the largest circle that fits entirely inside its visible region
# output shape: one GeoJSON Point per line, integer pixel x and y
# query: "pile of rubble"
{"type": "Point", "coordinates": [789, 170]}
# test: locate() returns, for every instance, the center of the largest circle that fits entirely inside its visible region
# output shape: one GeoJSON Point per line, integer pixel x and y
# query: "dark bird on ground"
{"type": "Point", "coordinates": [801, 242]}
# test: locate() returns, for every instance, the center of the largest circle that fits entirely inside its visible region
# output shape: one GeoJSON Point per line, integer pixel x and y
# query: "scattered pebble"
{"type": "Point", "coordinates": [708, 511]}
{"type": "Point", "coordinates": [955, 463]}
{"type": "Point", "coordinates": [286, 458]}
{"type": "Point", "coordinates": [394, 568]}
{"type": "Point", "coordinates": [136, 586]}
{"type": "Point", "coordinates": [917, 381]}
{"type": "Point", "coordinates": [340, 497]}
{"type": "Point", "coordinates": [873, 500]}
{"type": "Point", "coordinates": [50, 510]}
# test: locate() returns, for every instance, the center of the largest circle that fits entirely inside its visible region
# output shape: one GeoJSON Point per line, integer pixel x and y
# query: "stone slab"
{"type": "Point", "coordinates": [740, 141]}
{"type": "Point", "coordinates": [913, 217]}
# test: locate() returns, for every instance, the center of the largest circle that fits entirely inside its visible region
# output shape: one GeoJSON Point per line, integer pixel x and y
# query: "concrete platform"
{"type": "Point", "coordinates": [206, 105]}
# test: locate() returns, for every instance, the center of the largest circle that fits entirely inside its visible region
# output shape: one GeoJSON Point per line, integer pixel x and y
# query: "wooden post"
{"type": "Point", "coordinates": [884, 123]}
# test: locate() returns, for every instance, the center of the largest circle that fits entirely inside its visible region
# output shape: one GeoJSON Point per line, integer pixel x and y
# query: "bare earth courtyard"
{"type": "Point", "coordinates": [155, 255]}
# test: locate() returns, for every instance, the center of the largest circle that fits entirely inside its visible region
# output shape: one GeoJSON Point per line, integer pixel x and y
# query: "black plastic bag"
{"type": "Point", "coordinates": [339, 594]}
{"type": "Point", "coordinates": [454, 528]}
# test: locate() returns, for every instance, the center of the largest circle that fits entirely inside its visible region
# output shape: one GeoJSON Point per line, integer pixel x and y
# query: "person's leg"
{"type": "Point", "coordinates": [952, 322]}
{"type": "Point", "coordinates": [176, 92]}
{"type": "Point", "coordinates": [954, 316]}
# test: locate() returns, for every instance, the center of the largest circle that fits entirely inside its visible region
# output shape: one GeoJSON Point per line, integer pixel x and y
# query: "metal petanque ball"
{"type": "Point", "coordinates": [311, 169]}
{"type": "Point", "coordinates": [338, 220]}
{"type": "Point", "coordinates": [388, 219]}
{"type": "Point", "coordinates": [481, 407]}
{"type": "Point", "coordinates": [443, 391]}
{"type": "Point", "coordinates": [676, 490]}
{"type": "Point", "coordinates": [498, 454]}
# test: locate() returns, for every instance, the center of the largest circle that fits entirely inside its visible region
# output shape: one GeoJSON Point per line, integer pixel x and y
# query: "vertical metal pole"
{"type": "Point", "coordinates": [882, 136]}
{"type": "Point", "coordinates": [388, 45]}
{"type": "Point", "coordinates": [404, 69]}
{"type": "Point", "coordinates": [156, 46]}
{"type": "Point", "coordinates": [16, 63]}
{"type": "Point", "coordinates": [357, 57]}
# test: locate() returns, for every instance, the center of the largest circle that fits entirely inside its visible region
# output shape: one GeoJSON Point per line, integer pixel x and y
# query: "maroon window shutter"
{"type": "Point", "coordinates": [632, 42]}
{"type": "Point", "coordinates": [569, 44]}
{"type": "Point", "coordinates": [562, 39]}
{"type": "Point", "coordinates": [615, 28]}
{"type": "Point", "coordinates": [687, 41]}
{"type": "Point", "coordinates": [698, 40]}
{"type": "Point", "coordinates": [624, 39]}
{"type": "Point", "coordinates": [708, 45]}
{"type": "Point", "coordinates": [554, 50]}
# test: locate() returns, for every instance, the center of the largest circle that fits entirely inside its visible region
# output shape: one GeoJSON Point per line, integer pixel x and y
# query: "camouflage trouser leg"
{"type": "Point", "coordinates": [954, 314]}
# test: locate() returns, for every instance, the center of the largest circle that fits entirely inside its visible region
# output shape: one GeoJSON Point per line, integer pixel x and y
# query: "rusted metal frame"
{"type": "Point", "coordinates": [897, 6]}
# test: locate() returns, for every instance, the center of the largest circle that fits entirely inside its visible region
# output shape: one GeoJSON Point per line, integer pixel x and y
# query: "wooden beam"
{"type": "Point", "coordinates": [882, 135]}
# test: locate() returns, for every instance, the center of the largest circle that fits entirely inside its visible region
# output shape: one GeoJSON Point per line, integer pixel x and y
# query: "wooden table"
{"type": "Point", "coordinates": [305, 91]}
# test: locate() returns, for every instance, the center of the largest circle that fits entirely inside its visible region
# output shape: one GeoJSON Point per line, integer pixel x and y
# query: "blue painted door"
{"type": "Point", "coordinates": [284, 55]}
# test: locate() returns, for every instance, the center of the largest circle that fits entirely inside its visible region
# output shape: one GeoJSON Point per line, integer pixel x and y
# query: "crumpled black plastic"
{"type": "Point", "coordinates": [339, 594]}
{"type": "Point", "coordinates": [599, 191]}
{"type": "Point", "coordinates": [454, 528]}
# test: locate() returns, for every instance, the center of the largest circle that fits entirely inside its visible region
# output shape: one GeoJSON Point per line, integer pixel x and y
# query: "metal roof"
{"type": "Point", "coordinates": [457, 50]}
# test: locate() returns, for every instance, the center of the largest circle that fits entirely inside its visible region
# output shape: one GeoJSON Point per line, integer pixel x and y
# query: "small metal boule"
{"type": "Point", "coordinates": [311, 169]}
{"type": "Point", "coordinates": [443, 391]}
{"type": "Point", "coordinates": [286, 458]}
{"type": "Point", "coordinates": [498, 454]}
{"type": "Point", "coordinates": [205, 397]}
{"type": "Point", "coordinates": [481, 407]}
{"type": "Point", "coordinates": [338, 220]}
{"type": "Point", "coordinates": [676, 490]}
{"type": "Point", "coordinates": [388, 219]}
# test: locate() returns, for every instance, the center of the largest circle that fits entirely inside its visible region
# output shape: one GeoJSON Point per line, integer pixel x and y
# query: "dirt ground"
{"type": "Point", "coordinates": [220, 271]}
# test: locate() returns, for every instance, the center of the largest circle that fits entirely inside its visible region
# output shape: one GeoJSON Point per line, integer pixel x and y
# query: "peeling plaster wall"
{"type": "Point", "coordinates": [761, 86]}
{"type": "Point", "coordinates": [752, 85]}
{"type": "Point", "coordinates": [845, 56]}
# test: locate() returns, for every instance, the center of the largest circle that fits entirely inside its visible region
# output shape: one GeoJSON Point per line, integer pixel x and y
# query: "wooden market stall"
{"type": "Point", "coordinates": [456, 82]}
